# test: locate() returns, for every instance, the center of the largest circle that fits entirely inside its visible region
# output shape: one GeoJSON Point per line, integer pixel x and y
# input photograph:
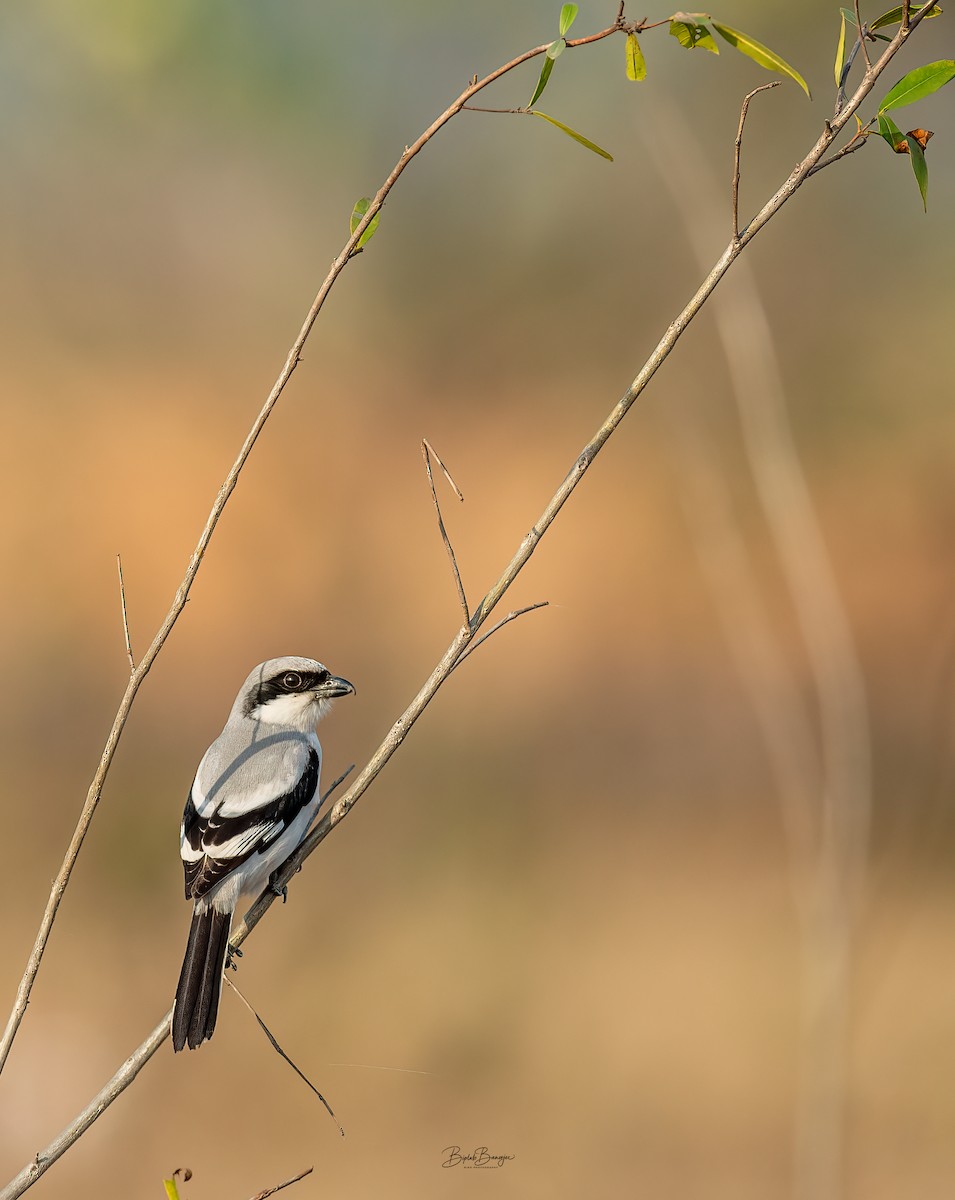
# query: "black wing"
{"type": "Point", "coordinates": [204, 835]}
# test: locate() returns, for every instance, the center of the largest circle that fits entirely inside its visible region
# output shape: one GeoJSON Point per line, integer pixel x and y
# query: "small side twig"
{"type": "Point", "coordinates": [858, 141]}
{"type": "Point", "coordinates": [338, 782]}
{"type": "Point", "coordinates": [278, 1187]}
{"type": "Point", "coordinates": [427, 450]}
{"type": "Point", "coordinates": [278, 1049]}
{"type": "Point", "coordinates": [122, 600]}
{"type": "Point", "coordinates": [863, 34]}
{"type": "Point", "coordinates": [739, 142]}
{"type": "Point", "coordinates": [511, 616]}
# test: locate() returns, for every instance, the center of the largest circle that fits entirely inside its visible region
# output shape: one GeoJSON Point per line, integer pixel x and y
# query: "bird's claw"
{"type": "Point", "coordinates": [233, 953]}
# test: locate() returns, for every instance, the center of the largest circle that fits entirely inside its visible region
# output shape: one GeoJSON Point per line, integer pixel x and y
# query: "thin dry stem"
{"type": "Point", "coordinates": [862, 36]}
{"type": "Point", "coordinates": [279, 1186]}
{"type": "Point", "coordinates": [426, 453]}
{"type": "Point", "coordinates": [122, 600]}
{"type": "Point", "coordinates": [858, 141]}
{"type": "Point", "coordinates": [739, 143]}
{"type": "Point", "coordinates": [282, 1054]}
{"type": "Point", "coordinates": [511, 616]}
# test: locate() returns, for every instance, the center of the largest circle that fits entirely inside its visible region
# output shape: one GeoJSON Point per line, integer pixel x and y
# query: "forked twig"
{"type": "Point", "coordinates": [426, 452]}
{"type": "Point", "coordinates": [858, 141]}
{"type": "Point", "coordinates": [511, 616]}
{"type": "Point", "coordinates": [739, 143]}
{"type": "Point", "coordinates": [278, 1049]}
{"type": "Point", "coordinates": [122, 600]}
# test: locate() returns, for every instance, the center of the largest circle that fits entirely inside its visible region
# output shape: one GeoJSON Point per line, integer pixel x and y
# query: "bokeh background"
{"type": "Point", "coordinates": [569, 909]}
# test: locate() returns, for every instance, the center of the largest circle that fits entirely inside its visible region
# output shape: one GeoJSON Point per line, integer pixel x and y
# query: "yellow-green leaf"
{"type": "Point", "coordinates": [361, 207]}
{"type": "Point", "coordinates": [572, 133]}
{"type": "Point", "coordinates": [918, 84]}
{"type": "Point", "coordinates": [568, 14]}
{"type": "Point", "coordinates": [841, 51]}
{"type": "Point", "coordinates": [760, 54]}
{"type": "Point", "coordinates": [894, 16]}
{"type": "Point", "coordinates": [556, 49]}
{"type": "Point", "coordinates": [172, 1192]}
{"type": "Point", "coordinates": [636, 63]}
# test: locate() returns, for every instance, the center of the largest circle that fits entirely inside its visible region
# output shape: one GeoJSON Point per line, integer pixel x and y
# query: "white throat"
{"type": "Point", "coordinates": [302, 712]}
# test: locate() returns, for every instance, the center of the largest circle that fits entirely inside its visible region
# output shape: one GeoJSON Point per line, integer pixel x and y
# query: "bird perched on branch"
{"type": "Point", "coordinates": [254, 796]}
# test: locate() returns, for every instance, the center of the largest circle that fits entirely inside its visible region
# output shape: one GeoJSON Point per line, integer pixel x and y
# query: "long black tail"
{"type": "Point", "coordinates": [200, 980]}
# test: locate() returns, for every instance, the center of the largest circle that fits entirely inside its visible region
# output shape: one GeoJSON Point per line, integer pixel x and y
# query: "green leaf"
{"type": "Point", "coordinates": [172, 1192]}
{"type": "Point", "coordinates": [578, 137]}
{"type": "Point", "coordinates": [568, 15]}
{"type": "Point", "coordinates": [542, 81]}
{"type": "Point", "coordinates": [890, 133]}
{"type": "Point", "coordinates": [894, 16]}
{"type": "Point", "coordinates": [361, 207]}
{"type": "Point", "coordinates": [918, 84]}
{"type": "Point", "coordinates": [690, 35]}
{"type": "Point", "coordinates": [556, 49]}
{"type": "Point", "coordinates": [760, 54]}
{"type": "Point", "coordinates": [636, 63]}
{"type": "Point", "coordinates": [849, 16]}
{"type": "Point", "coordinates": [841, 52]}
{"type": "Point", "coordinates": [920, 167]}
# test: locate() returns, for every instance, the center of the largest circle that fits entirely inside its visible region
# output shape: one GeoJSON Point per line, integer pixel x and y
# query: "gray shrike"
{"type": "Point", "coordinates": [254, 796]}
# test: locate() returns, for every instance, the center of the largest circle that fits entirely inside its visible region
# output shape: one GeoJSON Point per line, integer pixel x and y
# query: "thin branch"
{"type": "Point", "coordinates": [863, 34]}
{"type": "Point", "coordinates": [278, 1187]}
{"type": "Point", "coordinates": [337, 784]}
{"type": "Point", "coordinates": [293, 358]}
{"type": "Point", "coordinates": [122, 600]}
{"type": "Point", "coordinates": [739, 143]}
{"type": "Point", "coordinates": [849, 148]}
{"type": "Point", "coordinates": [447, 474]}
{"type": "Point", "coordinates": [400, 729]}
{"type": "Point", "coordinates": [282, 1054]}
{"type": "Point", "coordinates": [511, 616]}
{"type": "Point", "coordinates": [426, 452]}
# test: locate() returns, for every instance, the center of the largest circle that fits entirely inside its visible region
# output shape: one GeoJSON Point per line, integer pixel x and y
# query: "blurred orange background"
{"type": "Point", "coordinates": [568, 908]}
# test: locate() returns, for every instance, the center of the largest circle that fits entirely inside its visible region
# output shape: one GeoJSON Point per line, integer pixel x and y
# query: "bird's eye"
{"type": "Point", "coordinates": [292, 681]}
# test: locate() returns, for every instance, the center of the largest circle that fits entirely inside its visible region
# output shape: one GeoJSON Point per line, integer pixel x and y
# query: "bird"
{"type": "Point", "coordinates": [255, 794]}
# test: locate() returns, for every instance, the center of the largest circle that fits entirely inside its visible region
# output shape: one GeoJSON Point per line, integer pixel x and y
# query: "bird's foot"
{"type": "Point", "coordinates": [233, 953]}
{"type": "Point", "coordinates": [283, 890]}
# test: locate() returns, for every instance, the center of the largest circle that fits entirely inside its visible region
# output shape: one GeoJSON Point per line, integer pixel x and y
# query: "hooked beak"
{"type": "Point", "coordinates": [334, 686]}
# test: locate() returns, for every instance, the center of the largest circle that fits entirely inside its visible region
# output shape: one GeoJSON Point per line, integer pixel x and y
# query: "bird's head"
{"type": "Point", "coordinates": [293, 692]}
